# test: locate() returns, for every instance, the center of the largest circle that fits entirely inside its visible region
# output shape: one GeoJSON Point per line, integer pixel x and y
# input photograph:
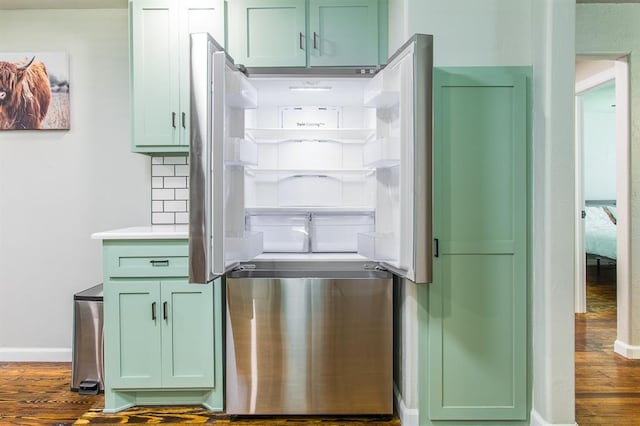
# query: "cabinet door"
{"type": "Point", "coordinates": [343, 32]}
{"type": "Point", "coordinates": [196, 16]}
{"type": "Point", "coordinates": [154, 61]}
{"type": "Point", "coordinates": [187, 334]}
{"type": "Point", "coordinates": [267, 33]}
{"type": "Point", "coordinates": [476, 349]}
{"type": "Point", "coordinates": [132, 334]}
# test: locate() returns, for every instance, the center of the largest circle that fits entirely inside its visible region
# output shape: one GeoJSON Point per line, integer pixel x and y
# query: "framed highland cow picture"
{"type": "Point", "coordinates": [34, 90]}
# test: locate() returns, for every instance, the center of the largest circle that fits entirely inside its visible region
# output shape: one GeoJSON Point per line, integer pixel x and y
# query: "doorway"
{"type": "Point", "coordinates": [602, 181]}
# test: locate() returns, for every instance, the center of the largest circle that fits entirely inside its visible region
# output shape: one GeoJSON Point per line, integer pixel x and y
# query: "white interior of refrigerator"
{"type": "Point", "coordinates": [319, 165]}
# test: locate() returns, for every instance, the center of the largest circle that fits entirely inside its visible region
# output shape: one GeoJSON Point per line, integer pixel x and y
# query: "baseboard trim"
{"type": "Point", "coordinates": [538, 420]}
{"type": "Point", "coordinates": [626, 350]}
{"type": "Point", "coordinates": [408, 416]}
{"type": "Point", "coordinates": [35, 354]}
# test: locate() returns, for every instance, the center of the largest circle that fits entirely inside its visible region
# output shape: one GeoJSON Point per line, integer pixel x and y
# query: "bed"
{"type": "Point", "coordinates": [600, 231]}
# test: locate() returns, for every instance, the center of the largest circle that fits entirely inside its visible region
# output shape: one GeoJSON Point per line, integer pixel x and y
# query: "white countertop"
{"type": "Point", "coordinates": [150, 232]}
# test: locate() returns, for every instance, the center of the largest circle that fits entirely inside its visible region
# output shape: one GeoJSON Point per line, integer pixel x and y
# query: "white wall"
{"type": "Point", "coordinates": [606, 29]}
{"type": "Point", "coordinates": [599, 143]}
{"type": "Point", "coordinates": [58, 187]}
{"type": "Point", "coordinates": [466, 33]}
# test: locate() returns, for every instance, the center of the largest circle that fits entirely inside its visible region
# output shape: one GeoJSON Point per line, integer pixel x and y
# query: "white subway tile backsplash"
{"type": "Point", "coordinates": [157, 206]}
{"type": "Point", "coordinates": [162, 218]}
{"type": "Point", "coordinates": [175, 182]}
{"type": "Point", "coordinates": [162, 194]}
{"type": "Point", "coordinates": [182, 170]}
{"type": "Point", "coordinates": [175, 160]}
{"type": "Point", "coordinates": [162, 170]}
{"type": "Point", "coordinates": [182, 194]}
{"type": "Point", "coordinates": [169, 190]}
{"type": "Point", "coordinates": [175, 206]}
{"type": "Point", "coordinates": [156, 182]}
{"type": "Point", "coordinates": [182, 218]}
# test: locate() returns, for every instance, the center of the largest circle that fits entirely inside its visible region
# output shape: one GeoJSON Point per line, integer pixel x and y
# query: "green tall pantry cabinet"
{"type": "Point", "coordinates": [299, 33]}
{"type": "Point", "coordinates": [163, 336]}
{"type": "Point", "coordinates": [474, 327]}
{"type": "Point", "coordinates": [159, 59]}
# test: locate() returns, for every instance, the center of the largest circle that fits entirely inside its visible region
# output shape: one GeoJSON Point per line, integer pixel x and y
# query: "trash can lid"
{"type": "Point", "coordinates": [94, 293]}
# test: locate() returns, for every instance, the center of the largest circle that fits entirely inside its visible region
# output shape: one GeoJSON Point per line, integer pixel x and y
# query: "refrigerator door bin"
{"type": "Point", "coordinates": [87, 367]}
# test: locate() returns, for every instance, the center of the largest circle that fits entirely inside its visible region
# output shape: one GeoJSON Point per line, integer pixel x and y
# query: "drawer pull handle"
{"type": "Point", "coordinates": [301, 45]}
{"type": "Point", "coordinates": [164, 311]}
{"type": "Point", "coordinates": [153, 311]}
{"type": "Point", "coordinates": [315, 40]}
{"type": "Point", "coordinates": [173, 120]}
{"type": "Point", "coordinates": [184, 119]}
{"type": "Point", "coordinates": [164, 262]}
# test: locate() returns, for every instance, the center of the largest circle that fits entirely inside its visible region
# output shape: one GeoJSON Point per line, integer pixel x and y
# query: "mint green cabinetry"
{"type": "Point", "coordinates": [159, 54]}
{"type": "Point", "coordinates": [474, 333]}
{"type": "Point", "coordinates": [343, 32]}
{"type": "Point", "coordinates": [298, 33]}
{"type": "Point", "coordinates": [267, 33]}
{"type": "Point", "coordinates": [163, 336]}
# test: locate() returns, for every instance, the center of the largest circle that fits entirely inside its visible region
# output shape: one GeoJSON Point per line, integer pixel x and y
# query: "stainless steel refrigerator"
{"type": "Point", "coordinates": [309, 190]}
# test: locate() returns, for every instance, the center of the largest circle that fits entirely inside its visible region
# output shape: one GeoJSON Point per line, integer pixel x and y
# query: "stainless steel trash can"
{"type": "Point", "coordinates": [87, 367]}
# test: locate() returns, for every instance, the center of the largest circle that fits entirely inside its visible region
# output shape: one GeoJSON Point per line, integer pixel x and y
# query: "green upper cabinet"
{"type": "Point", "coordinates": [160, 68]}
{"type": "Point", "coordinates": [299, 33]}
{"type": "Point", "coordinates": [267, 33]}
{"type": "Point", "coordinates": [343, 32]}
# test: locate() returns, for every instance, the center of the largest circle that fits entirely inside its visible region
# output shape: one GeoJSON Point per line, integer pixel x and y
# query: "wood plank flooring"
{"type": "Point", "coordinates": [607, 385]}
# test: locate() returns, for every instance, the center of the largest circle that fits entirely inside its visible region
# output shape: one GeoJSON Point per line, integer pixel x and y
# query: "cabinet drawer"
{"type": "Point", "coordinates": [147, 259]}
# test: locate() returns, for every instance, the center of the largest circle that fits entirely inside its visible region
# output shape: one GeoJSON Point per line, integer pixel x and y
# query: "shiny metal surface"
{"type": "Point", "coordinates": [309, 346]}
{"type": "Point", "coordinates": [88, 354]}
{"type": "Point", "coordinates": [200, 160]}
{"type": "Point", "coordinates": [423, 159]}
{"type": "Point", "coordinates": [309, 269]}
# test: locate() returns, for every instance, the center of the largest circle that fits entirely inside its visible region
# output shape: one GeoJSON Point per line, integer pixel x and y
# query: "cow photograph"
{"type": "Point", "coordinates": [34, 91]}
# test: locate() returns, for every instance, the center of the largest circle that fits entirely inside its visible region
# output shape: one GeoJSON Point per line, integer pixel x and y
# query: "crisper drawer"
{"type": "Point", "coordinates": [336, 233]}
{"type": "Point", "coordinates": [281, 233]}
{"type": "Point", "coordinates": [146, 259]}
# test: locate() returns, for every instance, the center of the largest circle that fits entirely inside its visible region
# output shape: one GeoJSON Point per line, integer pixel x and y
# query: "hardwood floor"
{"type": "Point", "coordinates": [607, 384]}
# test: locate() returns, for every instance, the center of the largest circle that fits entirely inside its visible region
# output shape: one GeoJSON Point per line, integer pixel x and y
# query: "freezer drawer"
{"type": "Point", "coordinates": [309, 346]}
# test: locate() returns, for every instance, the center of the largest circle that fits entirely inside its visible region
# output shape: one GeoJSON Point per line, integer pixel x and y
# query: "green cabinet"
{"type": "Point", "coordinates": [298, 33]}
{"type": "Point", "coordinates": [474, 333]}
{"type": "Point", "coordinates": [159, 58]}
{"type": "Point", "coordinates": [163, 336]}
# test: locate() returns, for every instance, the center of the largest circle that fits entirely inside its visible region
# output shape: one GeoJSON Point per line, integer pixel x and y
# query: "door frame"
{"type": "Point", "coordinates": [619, 73]}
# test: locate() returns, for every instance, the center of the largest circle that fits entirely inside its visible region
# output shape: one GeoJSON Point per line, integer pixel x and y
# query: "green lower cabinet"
{"type": "Point", "coordinates": [474, 333]}
{"type": "Point", "coordinates": [163, 336]}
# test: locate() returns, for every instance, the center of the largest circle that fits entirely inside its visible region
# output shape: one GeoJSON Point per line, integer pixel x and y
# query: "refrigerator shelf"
{"type": "Point", "coordinates": [342, 135]}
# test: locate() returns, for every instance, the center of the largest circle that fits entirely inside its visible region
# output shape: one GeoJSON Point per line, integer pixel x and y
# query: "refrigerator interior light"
{"type": "Point", "coordinates": [310, 88]}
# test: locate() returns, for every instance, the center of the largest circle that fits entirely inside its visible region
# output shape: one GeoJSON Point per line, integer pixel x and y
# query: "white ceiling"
{"type": "Point", "coordinates": [63, 4]}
